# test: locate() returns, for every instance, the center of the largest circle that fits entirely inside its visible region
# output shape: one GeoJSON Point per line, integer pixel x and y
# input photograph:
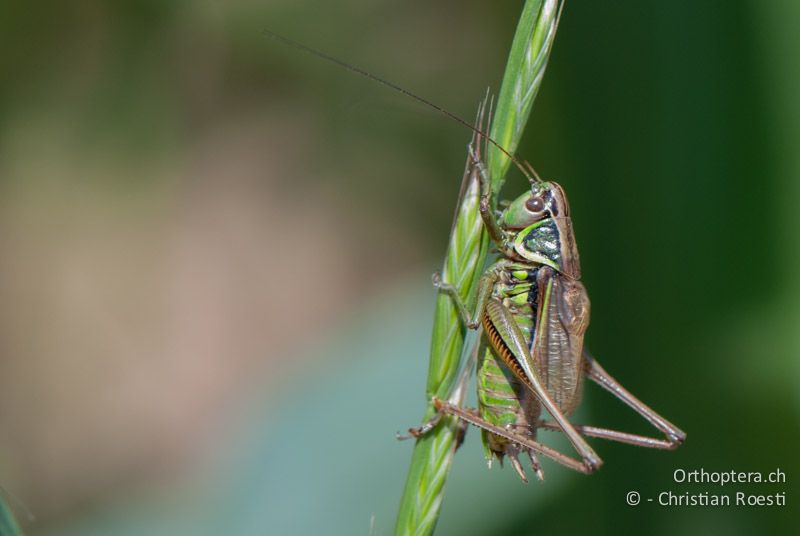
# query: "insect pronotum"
{"type": "Point", "coordinates": [533, 312]}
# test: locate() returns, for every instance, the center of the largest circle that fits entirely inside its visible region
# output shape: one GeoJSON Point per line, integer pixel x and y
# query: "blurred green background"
{"type": "Point", "coordinates": [215, 257]}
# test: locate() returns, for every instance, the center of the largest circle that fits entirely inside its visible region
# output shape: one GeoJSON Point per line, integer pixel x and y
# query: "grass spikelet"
{"type": "Point", "coordinates": [466, 255]}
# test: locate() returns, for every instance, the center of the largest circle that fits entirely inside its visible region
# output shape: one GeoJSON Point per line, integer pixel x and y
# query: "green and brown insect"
{"type": "Point", "coordinates": [533, 311]}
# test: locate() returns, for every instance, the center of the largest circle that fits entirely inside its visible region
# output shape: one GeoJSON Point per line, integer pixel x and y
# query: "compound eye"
{"type": "Point", "coordinates": [535, 204]}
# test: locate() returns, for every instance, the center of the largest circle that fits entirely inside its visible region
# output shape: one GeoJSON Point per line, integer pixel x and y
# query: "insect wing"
{"type": "Point", "coordinates": [557, 349]}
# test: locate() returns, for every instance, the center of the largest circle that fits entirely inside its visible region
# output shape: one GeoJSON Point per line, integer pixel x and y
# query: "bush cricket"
{"type": "Point", "coordinates": [533, 312]}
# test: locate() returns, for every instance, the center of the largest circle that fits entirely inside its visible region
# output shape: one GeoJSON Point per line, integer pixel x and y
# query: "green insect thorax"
{"type": "Point", "coordinates": [540, 228]}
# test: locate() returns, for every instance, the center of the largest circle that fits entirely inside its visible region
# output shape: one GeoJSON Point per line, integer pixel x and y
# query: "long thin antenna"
{"type": "Point", "coordinates": [530, 175]}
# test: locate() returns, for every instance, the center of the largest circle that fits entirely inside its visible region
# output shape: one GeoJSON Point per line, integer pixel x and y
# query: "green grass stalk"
{"type": "Point", "coordinates": [8, 524]}
{"type": "Point", "coordinates": [466, 255]}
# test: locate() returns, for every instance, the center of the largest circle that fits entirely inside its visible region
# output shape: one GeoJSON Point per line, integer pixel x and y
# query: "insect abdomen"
{"type": "Point", "coordinates": [502, 399]}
